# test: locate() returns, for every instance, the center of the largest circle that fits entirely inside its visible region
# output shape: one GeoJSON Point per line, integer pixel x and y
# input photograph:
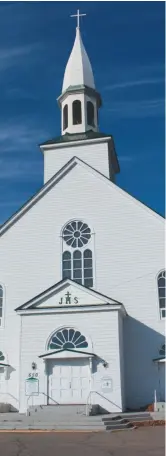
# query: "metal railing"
{"type": "Point", "coordinates": [49, 397]}
{"type": "Point", "coordinates": [40, 405]}
{"type": "Point", "coordinates": [88, 405]}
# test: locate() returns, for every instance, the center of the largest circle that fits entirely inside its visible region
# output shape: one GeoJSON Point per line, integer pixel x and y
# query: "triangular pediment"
{"type": "Point", "coordinates": [66, 294]}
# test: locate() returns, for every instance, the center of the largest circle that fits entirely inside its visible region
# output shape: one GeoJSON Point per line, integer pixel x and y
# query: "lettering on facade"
{"type": "Point", "coordinates": [68, 299]}
{"type": "Point", "coordinates": [33, 374]}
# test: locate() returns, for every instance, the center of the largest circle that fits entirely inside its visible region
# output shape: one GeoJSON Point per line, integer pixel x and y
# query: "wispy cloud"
{"type": "Point", "coordinates": [11, 56]}
{"type": "Point", "coordinates": [19, 168]}
{"type": "Point", "coordinates": [18, 160]}
{"type": "Point", "coordinates": [19, 137]}
{"type": "Point", "coordinates": [137, 108]}
{"type": "Point", "coordinates": [133, 83]}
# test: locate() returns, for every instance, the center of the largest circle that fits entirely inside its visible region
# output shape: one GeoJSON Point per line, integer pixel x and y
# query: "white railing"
{"type": "Point", "coordinates": [89, 404]}
{"type": "Point", "coordinates": [155, 400]}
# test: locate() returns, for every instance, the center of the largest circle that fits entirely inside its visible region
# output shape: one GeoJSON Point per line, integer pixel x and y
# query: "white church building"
{"type": "Point", "coordinates": [82, 279]}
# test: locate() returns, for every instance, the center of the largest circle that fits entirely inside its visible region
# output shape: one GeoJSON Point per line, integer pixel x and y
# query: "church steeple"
{"type": "Point", "coordinates": [79, 101]}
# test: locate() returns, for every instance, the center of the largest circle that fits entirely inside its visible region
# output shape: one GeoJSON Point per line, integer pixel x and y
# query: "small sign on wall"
{"type": "Point", "coordinates": [106, 384]}
{"type": "Point", "coordinates": [32, 386]}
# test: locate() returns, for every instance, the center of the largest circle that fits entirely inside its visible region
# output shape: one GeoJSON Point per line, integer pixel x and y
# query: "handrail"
{"type": "Point", "coordinates": [28, 401]}
{"type": "Point", "coordinates": [49, 397]}
{"type": "Point", "coordinates": [41, 392]}
{"type": "Point", "coordinates": [11, 395]}
{"type": "Point", "coordinates": [101, 395]}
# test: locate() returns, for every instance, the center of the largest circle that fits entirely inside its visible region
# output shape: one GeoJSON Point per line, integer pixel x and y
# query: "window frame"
{"type": "Point", "coordinates": [162, 310]}
{"type": "Point", "coordinates": [75, 105]}
{"type": "Point", "coordinates": [89, 106]}
{"type": "Point", "coordinates": [65, 117]}
{"type": "Point", "coordinates": [83, 279]}
{"type": "Point", "coordinates": [63, 336]}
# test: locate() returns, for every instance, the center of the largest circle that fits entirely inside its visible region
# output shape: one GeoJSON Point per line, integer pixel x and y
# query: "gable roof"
{"type": "Point", "coordinates": [74, 352]}
{"type": "Point", "coordinates": [56, 178]}
{"type": "Point", "coordinates": [57, 287]}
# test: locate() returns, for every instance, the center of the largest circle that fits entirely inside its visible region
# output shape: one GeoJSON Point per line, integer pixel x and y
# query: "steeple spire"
{"type": "Point", "coordinates": [78, 69]}
{"type": "Point", "coordinates": [79, 100]}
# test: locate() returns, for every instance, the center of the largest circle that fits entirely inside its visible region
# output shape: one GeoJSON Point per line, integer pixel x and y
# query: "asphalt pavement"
{"type": "Point", "coordinates": [147, 441]}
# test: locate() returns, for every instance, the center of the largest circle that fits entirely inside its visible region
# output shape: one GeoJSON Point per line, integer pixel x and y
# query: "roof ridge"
{"type": "Point", "coordinates": [56, 176]}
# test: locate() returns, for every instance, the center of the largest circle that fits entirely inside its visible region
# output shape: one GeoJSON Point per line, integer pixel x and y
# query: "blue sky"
{"type": "Point", "coordinates": [125, 43]}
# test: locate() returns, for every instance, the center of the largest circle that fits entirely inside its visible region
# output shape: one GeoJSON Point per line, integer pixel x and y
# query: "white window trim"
{"type": "Point", "coordinates": [161, 310]}
{"type": "Point", "coordinates": [2, 319]}
{"type": "Point", "coordinates": [90, 245]}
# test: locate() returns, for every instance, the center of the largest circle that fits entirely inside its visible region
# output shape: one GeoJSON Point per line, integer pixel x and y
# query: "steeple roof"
{"type": "Point", "coordinates": [78, 70]}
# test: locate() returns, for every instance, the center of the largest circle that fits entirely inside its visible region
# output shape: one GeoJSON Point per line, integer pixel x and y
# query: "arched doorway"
{"type": "Point", "coordinates": [68, 367]}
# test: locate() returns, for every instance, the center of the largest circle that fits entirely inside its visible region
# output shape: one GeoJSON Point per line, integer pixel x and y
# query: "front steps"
{"type": "Point", "coordinates": [125, 421]}
{"type": "Point", "coordinates": [70, 418]}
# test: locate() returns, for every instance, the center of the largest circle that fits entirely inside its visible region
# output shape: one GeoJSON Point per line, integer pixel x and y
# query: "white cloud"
{"type": "Point", "coordinates": [14, 169]}
{"type": "Point", "coordinates": [136, 108]}
{"type": "Point", "coordinates": [11, 56]}
{"type": "Point", "coordinates": [133, 83]}
{"type": "Point", "coordinates": [19, 137]}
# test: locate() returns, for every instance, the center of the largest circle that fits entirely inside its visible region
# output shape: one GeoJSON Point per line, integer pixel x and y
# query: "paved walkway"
{"type": "Point", "coordinates": [140, 442]}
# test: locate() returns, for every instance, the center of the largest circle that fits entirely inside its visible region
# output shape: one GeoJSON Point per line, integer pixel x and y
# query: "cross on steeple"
{"type": "Point", "coordinates": [78, 15]}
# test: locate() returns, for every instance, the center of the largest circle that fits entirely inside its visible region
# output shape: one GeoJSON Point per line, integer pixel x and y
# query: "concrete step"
{"type": "Point", "coordinates": [119, 427]}
{"type": "Point", "coordinates": [56, 411]}
{"type": "Point", "coordinates": [134, 414]}
{"type": "Point", "coordinates": [63, 408]}
{"type": "Point", "coordinates": [50, 426]}
{"type": "Point", "coordinates": [125, 418]}
{"type": "Point", "coordinates": [140, 418]}
{"type": "Point", "coordinates": [114, 422]}
{"type": "Point", "coordinates": [65, 421]}
{"type": "Point", "coordinates": [56, 415]}
{"type": "Point", "coordinates": [46, 418]}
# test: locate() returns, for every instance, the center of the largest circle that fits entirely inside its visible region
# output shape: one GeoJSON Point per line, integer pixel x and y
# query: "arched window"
{"type": "Point", "coordinates": [162, 293]}
{"type": "Point", "coordinates": [1, 304]}
{"type": "Point", "coordinates": [65, 117]}
{"type": "Point", "coordinates": [66, 265]}
{"type": "Point", "coordinates": [77, 259]}
{"type": "Point", "coordinates": [88, 268]}
{"type": "Point", "coordinates": [67, 338]}
{"type": "Point", "coordinates": [77, 266]}
{"type": "Point", "coordinates": [90, 113]}
{"type": "Point", "coordinates": [77, 114]}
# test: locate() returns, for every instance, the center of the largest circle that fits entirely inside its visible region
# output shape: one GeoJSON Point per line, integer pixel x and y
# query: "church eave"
{"type": "Point", "coordinates": [69, 138]}
{"type": "Point", "coordinates": [161, 359]}
{"type": "Point", "coordinates": [50, 353]}
{"type": "Point", "coordinates": [54, 179]}
{"type": "Point", "coordinates": [80, 89]}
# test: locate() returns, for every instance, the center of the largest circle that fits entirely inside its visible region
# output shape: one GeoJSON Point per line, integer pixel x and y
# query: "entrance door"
{"type": "Point", "coordinates": [69, 381]}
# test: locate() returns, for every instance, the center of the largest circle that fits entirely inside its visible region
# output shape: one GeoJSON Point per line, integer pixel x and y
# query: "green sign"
{"type": "Point", "coordinates": [32, 386]}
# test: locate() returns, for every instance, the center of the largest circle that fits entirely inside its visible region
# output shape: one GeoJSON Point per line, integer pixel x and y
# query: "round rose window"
{"type": "Point", "coordinates": [76, 234]}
